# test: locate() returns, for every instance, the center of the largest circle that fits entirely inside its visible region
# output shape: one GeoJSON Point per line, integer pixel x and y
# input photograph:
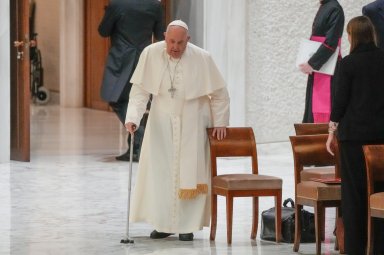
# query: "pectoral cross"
{"type": "Point", "coordinates": [172, 91]}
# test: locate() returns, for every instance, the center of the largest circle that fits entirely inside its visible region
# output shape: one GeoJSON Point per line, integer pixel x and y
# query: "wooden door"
{"type": "Point", "coordinates": [20, 76]}
{"type": "Point", "coordinates": [96, 51]}
{"type": "Point", "coordinates": [166, 11]}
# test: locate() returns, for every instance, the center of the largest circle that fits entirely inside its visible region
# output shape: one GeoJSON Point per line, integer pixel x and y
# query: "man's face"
{"type": "Point", "coordinates": [176, 39]}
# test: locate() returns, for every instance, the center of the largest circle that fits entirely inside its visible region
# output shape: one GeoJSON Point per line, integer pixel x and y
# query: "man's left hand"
{"type": "Point", "coordinates": [306, 68]}
{"type": "Point", "coordinates": [219, 132]}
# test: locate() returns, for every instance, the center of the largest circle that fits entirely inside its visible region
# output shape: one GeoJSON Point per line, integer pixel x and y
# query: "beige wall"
{"type": "Point", "coordinates": [71, 53]}
{"type": "Point", "coordinates": [275, 89]}
{"type": "Point", "coordinates": [47, 27]}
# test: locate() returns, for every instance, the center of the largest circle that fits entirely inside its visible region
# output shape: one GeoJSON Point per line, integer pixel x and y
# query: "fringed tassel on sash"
{"type": "Point", "coordinates": [186, 194]}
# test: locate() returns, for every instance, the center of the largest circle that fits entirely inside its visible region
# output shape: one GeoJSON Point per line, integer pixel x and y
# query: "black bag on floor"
{"type": "Point", "coordinates": [288, 224]}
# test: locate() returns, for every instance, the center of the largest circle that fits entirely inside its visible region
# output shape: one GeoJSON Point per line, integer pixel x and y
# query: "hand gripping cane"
{"type": "Point", "coordinates": [127, 240]}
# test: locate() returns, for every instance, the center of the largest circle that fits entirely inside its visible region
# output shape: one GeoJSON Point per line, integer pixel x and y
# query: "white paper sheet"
{"type": "Point", "coordinates": [308, 48]}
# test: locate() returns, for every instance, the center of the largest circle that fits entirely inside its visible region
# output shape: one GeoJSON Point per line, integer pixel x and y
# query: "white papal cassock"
{"type": "Point", "coordinates": [172, 189]}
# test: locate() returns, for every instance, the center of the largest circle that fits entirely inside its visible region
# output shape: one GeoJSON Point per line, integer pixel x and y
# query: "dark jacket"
{"type": "Point", "coordinates": [130, 25]}
{"type": "Point", "coordinates": [359, 99]}
{"type": "Point", "coordinates": [328, 23]}
{"type": "Point", "coordinates": [375, 12]}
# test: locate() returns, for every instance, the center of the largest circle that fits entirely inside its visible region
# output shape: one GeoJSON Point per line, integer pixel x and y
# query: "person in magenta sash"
{"type": "Point", "coordinates": [327, 28]}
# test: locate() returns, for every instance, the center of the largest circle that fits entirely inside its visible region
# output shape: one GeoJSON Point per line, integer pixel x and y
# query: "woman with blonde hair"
{"type": "Point", "coordinates": [358, 117]}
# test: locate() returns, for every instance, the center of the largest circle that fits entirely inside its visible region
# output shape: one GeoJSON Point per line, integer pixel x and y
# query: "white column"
{"type": "Point", "coordinates": [71, 53]}
{"type": "Point", "coordinates": [5, 81]}
{"type": "Point", "coordinates": [224, 38]}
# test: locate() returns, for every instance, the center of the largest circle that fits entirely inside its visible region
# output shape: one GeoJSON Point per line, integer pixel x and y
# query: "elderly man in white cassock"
{"type": "Point", "coordinates": [172, 189]}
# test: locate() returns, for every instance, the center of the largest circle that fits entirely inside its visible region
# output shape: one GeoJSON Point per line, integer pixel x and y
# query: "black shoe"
{"type": "Point", "coordinates": [125, 157]}
{"type": "Point", "coordinates": [159, 235]}
{"type": "Point", "coordinates": [186, 237]}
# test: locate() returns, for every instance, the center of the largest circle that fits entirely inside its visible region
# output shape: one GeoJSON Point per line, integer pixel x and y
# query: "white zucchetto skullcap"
{"type": "Point", "coordinates": [179, 23]}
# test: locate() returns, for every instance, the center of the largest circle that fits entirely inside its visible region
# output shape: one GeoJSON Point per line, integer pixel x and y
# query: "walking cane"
{"type": "Point", "coordinates": [127, 240]}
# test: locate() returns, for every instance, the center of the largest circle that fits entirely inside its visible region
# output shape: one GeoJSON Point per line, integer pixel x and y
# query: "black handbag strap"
{"type": "Point", "coordinates": [289, 200]}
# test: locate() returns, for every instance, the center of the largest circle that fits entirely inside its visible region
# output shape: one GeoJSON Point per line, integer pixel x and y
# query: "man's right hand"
{"type": "Point", "coordinates": [131, 127]}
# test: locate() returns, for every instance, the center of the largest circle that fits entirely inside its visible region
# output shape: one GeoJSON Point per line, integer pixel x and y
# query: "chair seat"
{"type": "Point", "coordinates": [318, 191]}
{"type": "Point", "coordinates": [247, 182]}
{"type": "Point", "coordinates": [317, 172]}
{"type": "Point", "coordinates": [377, 201]}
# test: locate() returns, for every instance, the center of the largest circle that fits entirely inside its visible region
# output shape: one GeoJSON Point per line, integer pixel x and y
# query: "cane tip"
{"type": "Point", "coordinates": [126, 241]}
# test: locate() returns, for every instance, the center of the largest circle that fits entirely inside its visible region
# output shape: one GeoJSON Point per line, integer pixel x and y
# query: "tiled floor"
{"type": "Point", "coordinates": [71, 198]}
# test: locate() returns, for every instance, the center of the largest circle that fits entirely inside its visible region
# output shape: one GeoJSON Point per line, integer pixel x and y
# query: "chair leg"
{"type": "Point", "coordinates": [337, 241]}
{"type": "Point", "coordinates": [213, 216]}
{"type": "Point", "coordinates": [317, 209]}
{"type": "Point", "coordinates": [229, 218]}
{"type": "Point", "coordinates": [370, 234]}
{"type": "Point", "coordinates": [340, 234]}
{"type": "Point", "coordinates": [322, 224]}
{"type": "Point", "coordinates": [336, 247]}
{"type": "Point", "coordinates": [255, 215]}
{"type": "Point", "coordinates": [278, 216]}
{"type": "Point", "coordinates": [296, 244]}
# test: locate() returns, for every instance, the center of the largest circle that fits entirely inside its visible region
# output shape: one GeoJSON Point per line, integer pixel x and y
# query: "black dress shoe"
{"type": "Point", "coordinates": [159, 235]}
{"type": "Point", "coordinates": [186, 237]}
{"type": "Point", "coordinates": [125, 157]}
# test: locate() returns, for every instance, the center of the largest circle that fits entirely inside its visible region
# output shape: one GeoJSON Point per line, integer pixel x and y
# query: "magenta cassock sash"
{"type": "Point", "coordinates": [321, 94]}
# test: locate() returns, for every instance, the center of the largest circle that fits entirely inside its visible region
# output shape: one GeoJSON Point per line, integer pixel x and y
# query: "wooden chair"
{"type": "Point", "coordinates": [311, 150]}
{"type": "Point", "coordinates": [240, 142]}
{"type": "Point", "coordinates": [311, 128]}
{"type": "Point", "coordinates": [374, 161]}
{"type": "Point", "coordinates": [317, 172]}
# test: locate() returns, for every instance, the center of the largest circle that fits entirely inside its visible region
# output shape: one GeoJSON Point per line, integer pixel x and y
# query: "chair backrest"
{"type": "Point", "coordinates": [374, 162]}
{"type": "Point", "coordinates": [239, 142]}
{"type": "Point", "coordinates": [311, 128]}
{"type": "Point", "coordinates": [311, 150]}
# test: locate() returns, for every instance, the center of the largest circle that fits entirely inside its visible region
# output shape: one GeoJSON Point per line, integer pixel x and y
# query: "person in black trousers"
{"type": "Point", "coordinates": [358, 116]}
{"type": "Point", "coordinates": [130, 24]}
